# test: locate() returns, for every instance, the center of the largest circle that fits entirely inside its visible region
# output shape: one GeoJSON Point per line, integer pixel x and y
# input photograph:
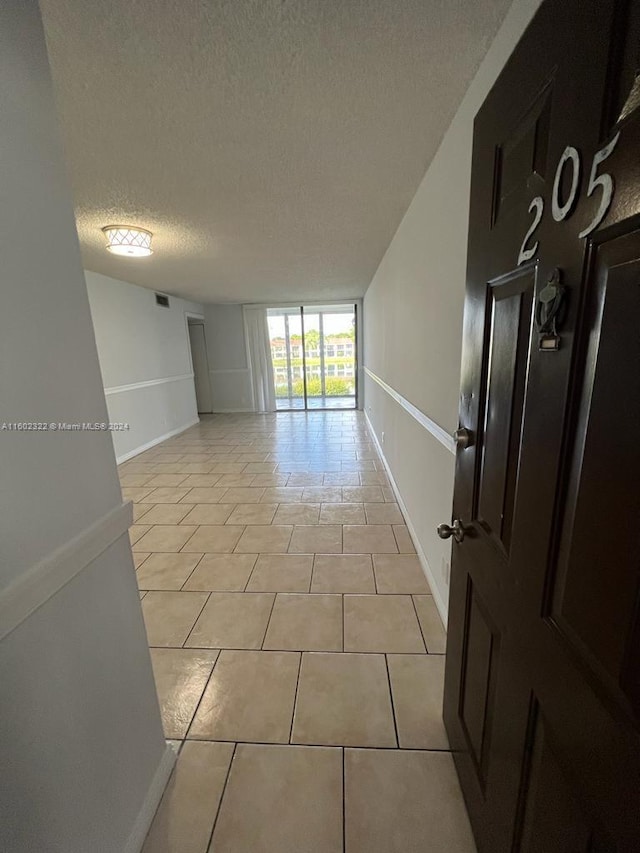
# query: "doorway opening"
{"type": "Point", "coordinates": [200, 365]}
{"type": "Point", "coordinates": [314, 356]}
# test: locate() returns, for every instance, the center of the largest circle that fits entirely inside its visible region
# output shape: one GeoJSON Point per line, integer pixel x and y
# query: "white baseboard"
{"type": "Point", "coordinates": [237, 411]}
{"type": "Point", "coordinates": [153, 442]}
{"type": "Point", "coordinates": [424, 563]}
{"type": "Point", "coordinates": [151, 801]}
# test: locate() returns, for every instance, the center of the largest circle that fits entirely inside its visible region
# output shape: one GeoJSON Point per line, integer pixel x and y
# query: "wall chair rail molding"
{"type": "Point", "coordinates": [424, 420]}
{"type": "Point", "coordinates": [148, 383]}
{"type": "Point", "coordinates": [42, 581]}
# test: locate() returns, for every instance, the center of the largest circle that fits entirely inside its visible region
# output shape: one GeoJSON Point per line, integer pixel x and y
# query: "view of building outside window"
{"type": "Point", "coordinates": [329, 348]}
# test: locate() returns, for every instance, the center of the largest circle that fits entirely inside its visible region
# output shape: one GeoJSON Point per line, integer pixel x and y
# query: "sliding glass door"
{"type": "Point", "coordinates": [330, 356]}
{"type": "Point", "coordinates": [285, 336]}
{"type": "Point", "coordinates": [313, 350]}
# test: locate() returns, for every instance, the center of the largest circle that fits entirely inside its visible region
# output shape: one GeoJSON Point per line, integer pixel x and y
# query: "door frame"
{"type": "Point", "coordinates": [539, 703]}
{"type": "Point", "coordinates": [192, 315]}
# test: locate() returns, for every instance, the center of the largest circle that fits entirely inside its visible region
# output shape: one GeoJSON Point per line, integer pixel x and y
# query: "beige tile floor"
{"type": "Point", "coordinates": [297, 651]}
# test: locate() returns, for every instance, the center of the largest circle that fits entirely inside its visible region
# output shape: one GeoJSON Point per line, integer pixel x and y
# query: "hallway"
{"type": "Point", "coordinates": [297, 650]}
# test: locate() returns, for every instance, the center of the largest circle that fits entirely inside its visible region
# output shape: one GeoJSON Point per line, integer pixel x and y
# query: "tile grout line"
{"type": "Point", "coordinates": [313, 568]}
{"type": "Point", "coordinates": [196, 620]}
{"type": "Point", "coordinates": [182, 588]}
{"type": "Point", "coordinates": [244, 527]}
{"type": "Point", "coordinates": [266, 630]}
{"type": "Point", "coordinates": [415, 610]}
{"type": "Point", "coordinates": [139, 566]}
{"type": "Point", "coordinates": [199, 702]}
{"type": "Point", "coordinates": [253, 568]}
{"type": "Point", "coordinates": [314, 745]}
{"type": "Point", "coordinates": [222, 795]}
{"type": "Point", "coordinates": [221, 590]}
{"type": "Point", "coordinates": [393, 706]}
{"type": "Point", "coordinates": [184, 545]}
{"type": "Point", "coordinates": [295, 699]}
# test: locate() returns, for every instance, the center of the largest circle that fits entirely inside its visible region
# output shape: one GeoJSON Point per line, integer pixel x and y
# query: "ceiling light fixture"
{"type": "Point", "coordinates": [128, 241]}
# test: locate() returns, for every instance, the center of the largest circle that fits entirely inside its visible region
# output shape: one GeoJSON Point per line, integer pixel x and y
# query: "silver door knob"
{"type": "Point", "coordinates": [463, 438]}
{"type": "Point", "coordinates": [455, 529]}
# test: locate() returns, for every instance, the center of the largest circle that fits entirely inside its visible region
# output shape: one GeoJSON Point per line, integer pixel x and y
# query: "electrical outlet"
{"type": "Point", "coordinates": [382, 437]}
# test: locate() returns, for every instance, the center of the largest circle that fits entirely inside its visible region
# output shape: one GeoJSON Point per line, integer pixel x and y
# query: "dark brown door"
{"type": "Point", "coordinates": [542, 694]}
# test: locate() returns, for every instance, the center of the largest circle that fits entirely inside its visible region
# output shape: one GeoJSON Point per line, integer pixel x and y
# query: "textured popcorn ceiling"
{"type": "Point", "coordinates": [272, 146]}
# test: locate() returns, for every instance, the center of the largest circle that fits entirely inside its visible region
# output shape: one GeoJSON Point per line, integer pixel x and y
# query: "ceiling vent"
{"type": "Point", "coordinates": [162, 300]}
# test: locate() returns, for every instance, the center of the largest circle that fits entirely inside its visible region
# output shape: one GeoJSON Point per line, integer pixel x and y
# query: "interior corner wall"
{"type": "Point", "coordinates": [413, 320]}
{"type": "Point", "coordinates": [229, 369]}
{"type": "Point", "coordinates": [145, 359]}
{"type": "Point", "coordinates": [82, 752]}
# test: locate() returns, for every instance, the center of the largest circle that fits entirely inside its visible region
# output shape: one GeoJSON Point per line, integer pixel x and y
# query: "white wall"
{"type": "Point", "coordinates": [82, 752]}
{"type": "Point", "coordinates": [229, 369]}
{"type": "Point", "coordinates": [413, 318]}
{"type": "Point", "coordinates": [145, 360]}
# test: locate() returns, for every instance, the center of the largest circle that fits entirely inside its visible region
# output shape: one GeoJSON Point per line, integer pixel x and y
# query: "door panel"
{"type": "Point", "coordinates": [522, 154]}
{"type": "Point", "coordinates": [594, 592]}
{"type": "Point", "coordinates": [508, 319]}
{"type": "Point", "coordinates": [478, 686]}
{"type": "Point", "coordinates": [554, 820]}
{"type": "Point", "coordinates": [542, 683]}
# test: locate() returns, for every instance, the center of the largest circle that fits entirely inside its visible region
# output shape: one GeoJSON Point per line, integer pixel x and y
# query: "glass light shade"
{"type": "Point", "coordinates": [128, 241]}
